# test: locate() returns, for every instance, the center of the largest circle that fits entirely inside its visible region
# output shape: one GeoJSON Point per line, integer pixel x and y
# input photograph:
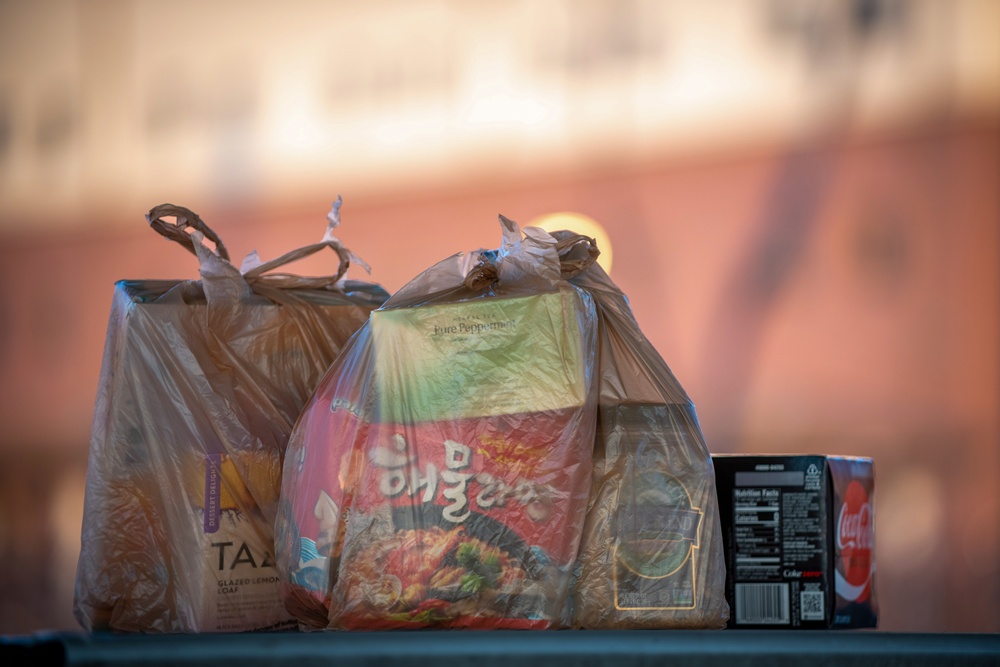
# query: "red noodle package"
{"type": "Point", "coordinates": [201, 384]}
{"type": "Point", "coordinates": [440, 476]}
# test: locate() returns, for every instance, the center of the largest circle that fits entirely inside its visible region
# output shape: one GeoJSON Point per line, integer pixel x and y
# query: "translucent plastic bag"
{"type": "Point", "coordinates": [201, 384]}
{"type": "Point", "coordinates": [651, 554]}
{"type": "Point", "coordinates": [439, 477]}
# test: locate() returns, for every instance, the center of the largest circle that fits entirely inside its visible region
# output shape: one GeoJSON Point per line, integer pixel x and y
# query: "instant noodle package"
{"type": "Point", "coordinates": [201, 383]}
{"type": "Point", "coordinates": [500, 447]}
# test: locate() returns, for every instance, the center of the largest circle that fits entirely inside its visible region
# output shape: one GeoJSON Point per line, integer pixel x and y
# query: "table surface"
{"type": "Point", "coordinates": [731, 648]}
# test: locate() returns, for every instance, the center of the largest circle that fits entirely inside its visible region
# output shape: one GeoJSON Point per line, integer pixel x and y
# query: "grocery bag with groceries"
{"type": "Point", "coordinates": [201, 383]}
{"type": "Point", "coordinates": [440, 476]}
{"type": "Point", "coordinates": [500, 447]}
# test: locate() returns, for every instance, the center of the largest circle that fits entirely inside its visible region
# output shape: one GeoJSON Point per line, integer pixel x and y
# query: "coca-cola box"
{"type": "Point", "coordinates": [798, 536]}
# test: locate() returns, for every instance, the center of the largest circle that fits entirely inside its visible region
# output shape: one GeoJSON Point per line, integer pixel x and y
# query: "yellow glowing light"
{"type": "Point", "coordinates": [581, 224]}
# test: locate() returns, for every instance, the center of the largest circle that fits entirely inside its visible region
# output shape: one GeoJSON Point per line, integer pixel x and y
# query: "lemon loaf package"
{"type": "Point", "coordinates": [651, 554]}
{"type": "Point", "coordinates": [440, 476]}
{"type": "Point", "coordinates": [201, 383]}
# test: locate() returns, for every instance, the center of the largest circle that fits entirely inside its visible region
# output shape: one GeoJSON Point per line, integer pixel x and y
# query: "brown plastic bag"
{"type": "Point", "coordinates": [440, 476]}
{"type": "Point", "coordinates": [651, 553]}
{"type": "Point", "coordinates": [201, 384]}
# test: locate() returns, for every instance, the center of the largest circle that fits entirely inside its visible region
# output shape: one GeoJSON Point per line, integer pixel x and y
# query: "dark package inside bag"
{"type": "Point", "coordinates": [651, 553]}
{"type": "Point", "coordinates": [201, 383]}
{"type": "Point", "coordinates": [440, 476]}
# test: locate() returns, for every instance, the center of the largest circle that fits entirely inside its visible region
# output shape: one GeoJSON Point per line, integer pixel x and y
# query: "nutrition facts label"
{"type": "Point", "coordinates": [778, 547]}
{"type": "Point", "coordinates": [757, 524]}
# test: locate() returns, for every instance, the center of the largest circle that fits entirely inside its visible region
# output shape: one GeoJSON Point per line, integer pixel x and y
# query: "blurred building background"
{"type": "Point", "coordinates": [802, 198]}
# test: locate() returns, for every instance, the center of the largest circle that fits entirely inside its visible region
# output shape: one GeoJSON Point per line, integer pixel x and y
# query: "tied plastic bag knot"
{"type": "Point", "coordinates": [577, 253]}
{"type": "Point", "coordinates": [224, 282]}
{"type": "Point", "coordinates": [254, 270]}
{"type": "Point", "coordinates": [256, 274]}
{"type": "Point", "coordinates": [528, 259]}
{"type": "Point", "coordinates": [482, 274]}
{"type": "Point", "coordinates": [186, 219]}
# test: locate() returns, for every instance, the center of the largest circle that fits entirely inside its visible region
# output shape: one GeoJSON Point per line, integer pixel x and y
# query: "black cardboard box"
{"type": "Point", "coordinates": [798, 534]}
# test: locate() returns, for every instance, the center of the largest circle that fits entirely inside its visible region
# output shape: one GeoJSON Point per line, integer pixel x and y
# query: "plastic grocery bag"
{"type": "Point", "coordinates": [440, 475]}
{"type": "Point", "coordinates": [201, 384]}
{"type": "Point", "coordinates": [651, 554]}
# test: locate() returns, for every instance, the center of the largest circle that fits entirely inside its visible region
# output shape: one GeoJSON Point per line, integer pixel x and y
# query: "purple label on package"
{"type": "Point", "coordinates": [213, 466]}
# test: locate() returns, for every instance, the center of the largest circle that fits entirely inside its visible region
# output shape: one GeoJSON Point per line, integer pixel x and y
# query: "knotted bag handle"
{"type": "Point", "coordinates": [288, 280]}
{"type": "Point", "coordinates": [186, 219]}
{"type": "Point", "coordinates": [178, 231]}
{"type": "Point", "coordinates": [569, 265]}
{"type": "Point", "coordinates": [484, 273]}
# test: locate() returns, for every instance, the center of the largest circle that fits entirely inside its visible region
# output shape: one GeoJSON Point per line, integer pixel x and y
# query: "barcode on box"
{"type": "Point", "coordinates": [812, 606]}
{"type": "Point", "coordinates": [759, 604]}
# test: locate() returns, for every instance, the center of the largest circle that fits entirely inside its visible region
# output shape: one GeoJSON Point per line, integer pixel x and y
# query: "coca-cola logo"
{"type": "Point", "coordinates": [854, 528]}
{"type": "Point", "coordinates": [855, 535]}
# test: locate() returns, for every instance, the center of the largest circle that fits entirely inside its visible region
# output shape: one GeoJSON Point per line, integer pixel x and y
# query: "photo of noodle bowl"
{"type": "Point", "coordinates": [450, 576]}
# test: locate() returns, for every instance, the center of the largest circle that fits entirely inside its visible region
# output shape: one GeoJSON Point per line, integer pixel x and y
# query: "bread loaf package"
{"type": "Point", "coordinates": [201, 383]}
{"type": "Point", "coordinates": [651, 553]}
{"type": "Point", "coordinates": [440, 476]}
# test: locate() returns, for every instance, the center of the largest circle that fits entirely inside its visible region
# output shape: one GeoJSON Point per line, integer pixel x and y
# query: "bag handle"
{"type": "Point", "coordinates": [186, 220]}
{"type": "Point", "coordinates": [290, 281]}
{"type": "Point", "coordinates": [571, 261]}
{"type": "Point", "coordinates": [483, 274]}
{"type": "Point", "coordinates": [178, 231]}
{"type": "Point", "coordinates": [255, 274]}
